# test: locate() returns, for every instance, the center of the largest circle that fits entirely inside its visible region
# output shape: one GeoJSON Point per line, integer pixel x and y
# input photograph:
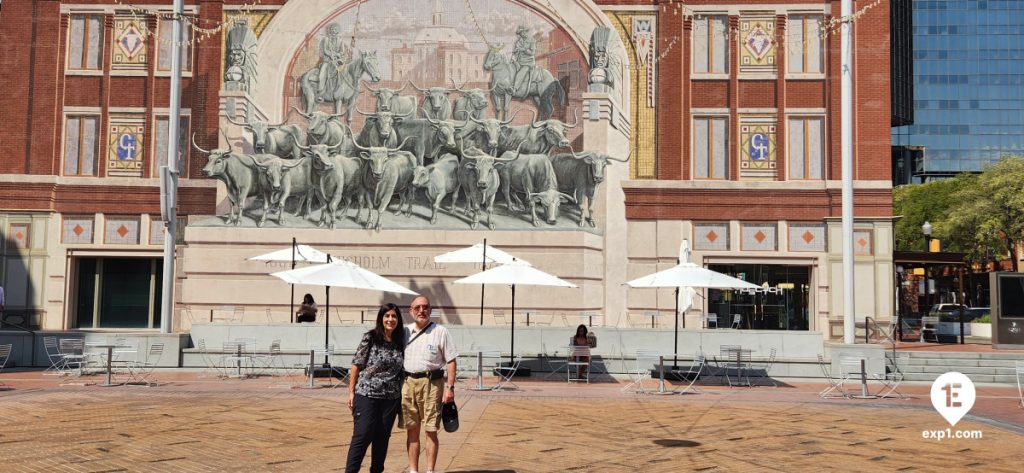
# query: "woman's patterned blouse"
{"type": "Point", "coordinates": [380, 369]}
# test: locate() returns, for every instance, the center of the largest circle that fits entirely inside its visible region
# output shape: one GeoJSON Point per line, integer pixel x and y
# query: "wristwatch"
{"type": "Point", "coordinates": [450, 386]}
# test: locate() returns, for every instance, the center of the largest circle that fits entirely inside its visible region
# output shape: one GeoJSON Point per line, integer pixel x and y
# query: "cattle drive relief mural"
{"type": "Point", "coordinates": [405, 115]}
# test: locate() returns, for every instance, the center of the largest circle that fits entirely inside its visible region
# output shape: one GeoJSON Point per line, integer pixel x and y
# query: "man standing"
{"type": "Point", "coordinates": [429, 349]}
{"type": "Point", "coordinates": [2, 302]}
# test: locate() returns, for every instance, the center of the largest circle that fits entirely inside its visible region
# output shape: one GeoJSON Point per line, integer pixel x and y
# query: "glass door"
{"type": "Point", "coordinates": [117, 292]}
{"type": "Point", "coordinates": [780, 303]}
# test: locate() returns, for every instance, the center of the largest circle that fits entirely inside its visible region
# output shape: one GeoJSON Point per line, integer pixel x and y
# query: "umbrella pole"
{"type": "Point", "coordinates": [675, 347]}
{"type": "Point", "coordinates": [512, 347]}
{"type": "Point", "coordinates": [483, 268]}
{"type": "Point", "coordinates": [327, 328]}
{"type": "Point", "coordinates": [327, 325]}
{"type": "Point", "coordinates": [291, 302]}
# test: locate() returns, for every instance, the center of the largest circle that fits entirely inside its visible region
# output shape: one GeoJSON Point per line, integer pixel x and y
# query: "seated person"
{"type": "Point", "coordinates": [307, 310]}
{"type": "Point", "coordinates": [580, 340]}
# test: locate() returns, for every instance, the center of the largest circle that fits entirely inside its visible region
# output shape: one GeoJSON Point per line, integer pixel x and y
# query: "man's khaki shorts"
{"type": "Point", "coordinates": [421, 403]}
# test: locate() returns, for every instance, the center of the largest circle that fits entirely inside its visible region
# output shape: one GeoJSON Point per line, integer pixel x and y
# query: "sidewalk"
{"type": "Point", "coordinates": [207, 424]}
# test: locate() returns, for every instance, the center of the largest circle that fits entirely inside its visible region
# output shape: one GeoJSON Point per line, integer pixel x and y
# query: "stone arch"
{"type": "Point", "coordinates": [293, 25]}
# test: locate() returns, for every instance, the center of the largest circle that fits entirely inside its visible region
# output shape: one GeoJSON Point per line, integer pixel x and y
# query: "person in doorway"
{"type": "Point", "coordinates": [429, 350]}
{"type": "Point", "coordinates": [307, 310]}
{"type": "Point", "coordinates": [580, 340]}
{"type": "Point", "coordinates": [375, 389]}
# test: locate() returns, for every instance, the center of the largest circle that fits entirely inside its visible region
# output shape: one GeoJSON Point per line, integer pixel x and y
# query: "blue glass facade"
{"type": "Point", "coordinates": [968, 85]}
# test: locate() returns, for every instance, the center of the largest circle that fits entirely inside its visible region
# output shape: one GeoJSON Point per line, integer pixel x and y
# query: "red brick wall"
{"type": "Point", "coordinates": [872, 132]}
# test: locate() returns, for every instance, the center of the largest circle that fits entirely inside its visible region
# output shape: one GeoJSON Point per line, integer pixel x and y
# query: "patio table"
{"type": "Point", "coordinates": [110, 352]}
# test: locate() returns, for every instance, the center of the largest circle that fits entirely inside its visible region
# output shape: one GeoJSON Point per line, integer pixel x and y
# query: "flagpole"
{"type": "Point", "coordinates": [483, 268]}
{"type": "Point", "coordinates": [291, 302]}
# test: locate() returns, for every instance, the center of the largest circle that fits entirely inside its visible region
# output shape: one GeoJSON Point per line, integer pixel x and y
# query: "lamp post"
{"type": "Point", "coordinates": [926, 229]}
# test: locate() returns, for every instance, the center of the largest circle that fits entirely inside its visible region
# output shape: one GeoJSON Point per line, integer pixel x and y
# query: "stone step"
{"type": "Point", "coordinates": [961, 355]}
{"type": "Point", "coordinates": [977, 378]}
{"type": "Point", "coordinates": [968, 370]}
{"type": "Point", "coordinates": [953, 362]}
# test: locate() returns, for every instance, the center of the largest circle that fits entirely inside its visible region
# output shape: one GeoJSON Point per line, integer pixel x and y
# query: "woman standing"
{"type": "Point", "coordinates": [375, 389]}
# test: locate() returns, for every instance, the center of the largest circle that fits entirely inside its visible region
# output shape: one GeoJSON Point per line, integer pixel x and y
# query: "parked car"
{"type": "Point", "coordinates": [948, 312]}
{"type": "Point", "coordinates": [973, 313]}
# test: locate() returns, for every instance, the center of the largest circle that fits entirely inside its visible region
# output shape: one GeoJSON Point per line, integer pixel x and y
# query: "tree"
{"type": "Point", "coordinates": [929, 202]}
{"type": "Point", "coordinates": [989, 213]}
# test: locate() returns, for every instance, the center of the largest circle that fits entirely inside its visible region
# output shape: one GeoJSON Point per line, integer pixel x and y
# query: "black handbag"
{"type": "Point", "coordinates": [450, 417]}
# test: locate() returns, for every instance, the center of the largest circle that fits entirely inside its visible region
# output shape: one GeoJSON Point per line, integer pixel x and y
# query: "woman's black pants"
{"type": "Point", "coordinates": [372, 422]}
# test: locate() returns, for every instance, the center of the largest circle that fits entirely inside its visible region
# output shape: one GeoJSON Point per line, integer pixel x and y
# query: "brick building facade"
{"type": "Point", "coordinates": [739, 152]}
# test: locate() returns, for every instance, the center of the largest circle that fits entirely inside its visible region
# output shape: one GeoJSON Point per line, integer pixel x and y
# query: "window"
{"type": "Point", "coordinates": [711, 152]}
{"type": "Point", "coordinates": [166, 44]}
{"type": "Point", "coordinates": [805, 143]}
{"type": "Point", "coordinates": [803, 48]}
{"type": "Point", "coordinates": [80, 144]}
{"type": "Point", "coordinates": [85, 44]}
{"type": "Point", "coordinates": [160, 150]}
{"type": "Point", "coordinates": [710, 38]}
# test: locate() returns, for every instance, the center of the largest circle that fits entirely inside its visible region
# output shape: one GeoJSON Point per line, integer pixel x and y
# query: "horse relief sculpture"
{"type": "Point", "coordinates": [436, 141]}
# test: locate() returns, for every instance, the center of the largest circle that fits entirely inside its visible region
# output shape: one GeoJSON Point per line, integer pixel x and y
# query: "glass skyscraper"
{"type": "Point", "coordinates": [968, 62]}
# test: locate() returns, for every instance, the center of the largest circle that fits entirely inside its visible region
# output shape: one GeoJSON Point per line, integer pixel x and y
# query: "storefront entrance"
{"type": "Point", "coordinates": [782, 302]}
{"type": "Point", "coordinates": [116, 292]}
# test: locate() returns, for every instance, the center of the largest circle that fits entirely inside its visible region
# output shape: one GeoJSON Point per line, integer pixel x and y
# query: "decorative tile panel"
{"type": "Point", "coordinates": [129, 48]}
{"type": "Point", "coordinates": [759, 236]}
{"type": "Point", "coordinates": [156, 230]}
{"type": "Point", "coordinates": [863, 244]}
{"type": "Point", "coordinates": [757, 148]}
{"type": "Point", "coordinates": [711, 236]}
{"type": "Point", "coordinates": [807, 237]}
{"type": "Point", "coordinates": [77, 230]}
{"type": "Point", "coordinates": [757, 44]}
{"type": "Point", "coordinates": [18, 236]}
{"type": "Point", "coordinates": [124, 146]}
{"type": "Point", "coordinates": [121, 231]}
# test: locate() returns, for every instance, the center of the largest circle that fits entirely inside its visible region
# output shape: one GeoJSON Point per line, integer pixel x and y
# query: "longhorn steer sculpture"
{"type": "Point", "coordinates": [240, 180]}
{"type": "Point", "coordinates": [435, 102]}
{"type": "Point", "coordinates": [389, 172]}
{"type": "Point", "coordinates": [439, 180]}
{"type": "Point", "coordinates": [533, 176]}
{"type": "Point", "coordinates": [478, 178]}
{"type": "Point", "coordinates": [579, 174]}
{"type": "Point", "coordinates": [388, 100]}
{"type": "Point", "coordinates": [537, 137]}
{"type": "Point", "coordinates": [279, 140]}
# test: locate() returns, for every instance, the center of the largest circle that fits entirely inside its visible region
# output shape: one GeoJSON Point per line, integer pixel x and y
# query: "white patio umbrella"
{"type": "Point", "coordinates": [515, 273]}
{"type": "Point", "coordinates": [482, 253]}
{"type": "Point", "coordinates": [340, 274]}
{"type": "Point", "coordinates": [685, 276]}
{"type": "Point", "coordinates": [294, 254]}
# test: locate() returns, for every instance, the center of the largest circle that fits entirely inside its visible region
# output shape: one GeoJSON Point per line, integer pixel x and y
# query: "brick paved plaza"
{"type": "Point", "coordinates": [203, 424]}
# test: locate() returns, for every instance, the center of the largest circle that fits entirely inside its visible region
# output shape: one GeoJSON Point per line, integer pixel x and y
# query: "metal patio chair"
{"type": "Point", "coordinates": [577, 364]}
{"type": "Point", "coordinates": [737, 320]}
{"type": "Point", "coordinates": [5, 353]}
{"type": "Point", "coordinates": [505, 374]}
{"type": "Point", "coordinates": [1019, 371]}
{"type": "Point", "coordinates": [710, 318]}
{"type": "Point", "coordinates": [692, 373]}
{"type": "Point", "coordinates": [643, 363]}
{"type": "Point", "coordinates": [56, 358]}
{"type": "Point", "coordinates": [552, 361]}
{"type": "Point", "coordinates": [139, 372]}
{"type": "Point", "coordinates": [760, 370]}
{"type": "Point", "coordinates": [894, 375]}
{"type": "Point", "coordinates": [833, 384]}
{"type": "Point", "coordinates": [930, 329]}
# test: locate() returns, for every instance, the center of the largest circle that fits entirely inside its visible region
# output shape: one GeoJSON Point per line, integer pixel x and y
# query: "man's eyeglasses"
{"type": "Point", "coordinates": [420, 307]}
